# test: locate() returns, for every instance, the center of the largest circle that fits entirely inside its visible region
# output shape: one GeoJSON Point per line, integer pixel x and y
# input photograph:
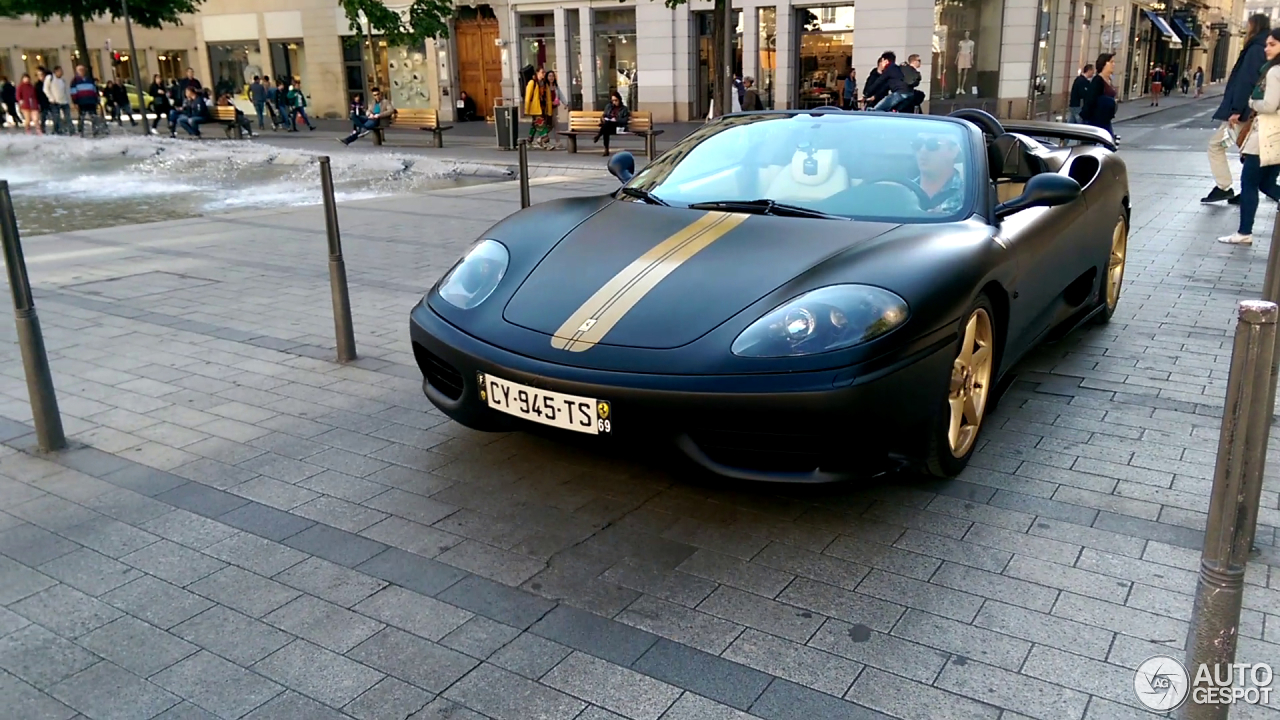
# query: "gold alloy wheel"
{"type": "Point", "coordinates": [1115, 266]}
{"type": "Point", "coordinates": [970, 383]}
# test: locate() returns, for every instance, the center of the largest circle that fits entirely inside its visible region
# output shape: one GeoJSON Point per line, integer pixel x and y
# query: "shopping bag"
{"type": "Point", "coordinates": [1268, 128]}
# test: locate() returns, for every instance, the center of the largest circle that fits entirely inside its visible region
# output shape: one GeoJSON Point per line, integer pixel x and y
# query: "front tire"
{"type": "Point", "coordinates": [1113, 274]}
{"type": "Point", "coordinates": [969, 393]}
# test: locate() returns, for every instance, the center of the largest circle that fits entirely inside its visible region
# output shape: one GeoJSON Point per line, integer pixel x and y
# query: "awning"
{"type": "Point", "coordinates": [1163, 26]}
{"type": "Point", "coordinates": [1188, 37]}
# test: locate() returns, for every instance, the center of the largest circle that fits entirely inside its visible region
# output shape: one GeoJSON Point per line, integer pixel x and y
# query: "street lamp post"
{"type": "Point", "coordinates": [133, 63]}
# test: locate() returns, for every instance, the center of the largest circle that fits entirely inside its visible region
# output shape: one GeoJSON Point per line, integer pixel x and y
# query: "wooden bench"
{"type": "Point", "coordinates": [426, 120]}
{"type": "Point", "coordinates": [587, 122]}
{"type": "Point", "coordinates": [226, 115]}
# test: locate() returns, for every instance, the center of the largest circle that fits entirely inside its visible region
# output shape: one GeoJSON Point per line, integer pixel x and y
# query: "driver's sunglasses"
{"type": "Point", "coordinates": [930, 144]}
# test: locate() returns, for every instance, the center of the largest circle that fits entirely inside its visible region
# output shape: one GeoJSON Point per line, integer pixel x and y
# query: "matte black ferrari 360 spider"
{"type": "Point", "coordinates": [792, 295]}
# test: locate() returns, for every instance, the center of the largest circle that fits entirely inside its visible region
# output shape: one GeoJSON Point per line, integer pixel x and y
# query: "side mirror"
{"type": "Point", "coordinates": [1043, 190]}
{"type": "Point", "coordinates": [623, 166]}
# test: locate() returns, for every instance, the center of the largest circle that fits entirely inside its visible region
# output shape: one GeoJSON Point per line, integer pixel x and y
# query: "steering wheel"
{"type": "Point", "coordinates": [919, 192]}
{"type": "Point", "coordinates": [985, 121]}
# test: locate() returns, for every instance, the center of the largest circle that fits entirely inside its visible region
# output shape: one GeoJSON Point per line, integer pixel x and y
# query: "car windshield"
{"type": "Point", "coordinates": [884, 167]}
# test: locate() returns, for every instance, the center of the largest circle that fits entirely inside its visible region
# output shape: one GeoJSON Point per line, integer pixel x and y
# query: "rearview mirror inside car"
{"type": "Point", "coordinates": [623, 166]}
{"type": "Point", "coordinates": [1043, 190]}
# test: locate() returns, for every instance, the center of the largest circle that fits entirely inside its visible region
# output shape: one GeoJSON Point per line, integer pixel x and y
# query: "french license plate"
{"type": "Point", "coordinates": [567, 412]}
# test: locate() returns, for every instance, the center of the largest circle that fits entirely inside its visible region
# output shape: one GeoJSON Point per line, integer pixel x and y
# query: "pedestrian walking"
{"type": "Point", "coordinates": [1099, 106]}
{"type": "Point", "coordinates": [537, 106]}
{"type": "Point", "coordinates": [88, 102]}
{"type": "Point", "coordinates": [1157, 85]}
{"type": "Point", "coordinates": [751, 102]}
{"type": "Point", "coordinates": [9, 100]}
{"type": "Point", "coordinates": [26, 101]}
{"type": "Point", "coordinates": [1264, 100]}
{"type": "Point", "coordinates": [46, 109]}
{"type": "Point", "coordinates": [121, 103]}
{"type": "Point", "coordinates": [849, 90]}
{"type": "Point", "coordinates": [258, 96]}
{"type": "Point", "coordinates": [1199, 81]}
{"type": "Point", "coordinates": [1079, 88]}
{"type": "Point", "coordinates": [298, 106]}
{"type": "Point", "coordinates": [59, 94]}
{"type": "Point", "coordinates": [558, 102]}
{"type": "Point", "coordinates": [156, 86]}
{"type": "Point", "coordinates": [1185, 83]}
{"type": "Point", "coordinates": [1235, 102]}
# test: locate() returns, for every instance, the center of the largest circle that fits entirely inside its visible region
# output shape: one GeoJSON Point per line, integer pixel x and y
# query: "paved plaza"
{"type": "Point", "coordinates": [244, 528]}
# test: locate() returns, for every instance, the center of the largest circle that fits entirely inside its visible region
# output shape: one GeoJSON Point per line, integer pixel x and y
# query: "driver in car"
{"type": "Point", "coordinates": [938, 176]}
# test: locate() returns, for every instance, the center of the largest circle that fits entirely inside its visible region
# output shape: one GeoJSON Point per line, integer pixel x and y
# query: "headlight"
{"type": "Point", "coordinates": [476, 275]}
{"type": "Point", "coordinates": [822, 320]}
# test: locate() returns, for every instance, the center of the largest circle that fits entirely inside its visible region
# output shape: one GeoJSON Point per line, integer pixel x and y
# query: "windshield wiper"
{"type": "Point", "coordinates": [765, 207]}
{"type": "Point", "coordinates": [644, 195]}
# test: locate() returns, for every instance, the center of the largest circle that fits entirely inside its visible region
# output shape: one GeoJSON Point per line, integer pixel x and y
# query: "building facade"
{"type": "Point", "coordinates": [1014, 58]}
{"type": "Point", "coordinates": [25, 45]}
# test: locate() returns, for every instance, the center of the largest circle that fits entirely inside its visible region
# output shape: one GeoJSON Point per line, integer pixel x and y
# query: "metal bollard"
{"type": "Point", "coordinates": [35, 361]}
{"type": "Point", "coordinates": [524, 173]}
{"type": "Point", "coordinates": [342, 326]}
{"type": "Point", "coordinates": [1233, 505]}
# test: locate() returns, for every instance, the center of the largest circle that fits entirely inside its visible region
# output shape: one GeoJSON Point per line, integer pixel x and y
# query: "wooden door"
{"type": "Point", "coordinates": [480, 61]}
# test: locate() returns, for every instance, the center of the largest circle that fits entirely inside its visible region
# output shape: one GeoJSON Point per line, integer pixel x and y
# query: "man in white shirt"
{"type": "Point", "coordinates": [55, 88]}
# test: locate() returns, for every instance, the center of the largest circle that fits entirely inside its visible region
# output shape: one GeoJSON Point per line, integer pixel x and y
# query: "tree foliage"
{"type": "Point", "coordinates": [411, 26]}
{"type": "Point", "coordinates": [147, 13]}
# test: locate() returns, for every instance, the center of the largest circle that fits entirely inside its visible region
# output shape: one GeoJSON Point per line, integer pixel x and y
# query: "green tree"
{"type": "Point", "coordinates": [147, 13]}
{"type": "Point", "coordinates": [421, 20]}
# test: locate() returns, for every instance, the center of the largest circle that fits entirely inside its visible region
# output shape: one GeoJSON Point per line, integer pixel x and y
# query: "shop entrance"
{"type": "Point", "coordinates": [479, 57]}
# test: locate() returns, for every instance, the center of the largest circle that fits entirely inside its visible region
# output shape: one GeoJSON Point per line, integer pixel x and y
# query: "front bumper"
{"type": "Point", "coordinates": [796, 427]}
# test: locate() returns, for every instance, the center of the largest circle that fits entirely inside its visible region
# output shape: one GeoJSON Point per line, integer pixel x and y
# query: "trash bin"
{"type": "Point", "coordinates": [507, 124]}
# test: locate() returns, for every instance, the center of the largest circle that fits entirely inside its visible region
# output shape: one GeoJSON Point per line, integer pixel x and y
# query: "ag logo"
{"type": "Point", "coordinates": [1161, 683]}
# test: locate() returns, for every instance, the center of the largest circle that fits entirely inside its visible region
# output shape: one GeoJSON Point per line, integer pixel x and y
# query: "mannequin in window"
{"type": "Point", "coordinates": [964, 61]}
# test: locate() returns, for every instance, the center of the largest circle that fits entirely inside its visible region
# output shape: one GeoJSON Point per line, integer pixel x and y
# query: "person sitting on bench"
{"type": "Point", "coordinates": [381, 110]}
{"type": "Point", "coordinates": [615, 119]}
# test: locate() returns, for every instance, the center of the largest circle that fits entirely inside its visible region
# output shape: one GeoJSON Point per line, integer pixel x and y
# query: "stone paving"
{"type": "Point", "coordinates": [246, 529]}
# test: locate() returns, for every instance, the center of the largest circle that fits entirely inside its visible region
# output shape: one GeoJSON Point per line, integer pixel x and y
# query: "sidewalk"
{"type": "Point", "coordinates": [1141, 108]}
{"type": "Point", "coordinates": [246, 529]}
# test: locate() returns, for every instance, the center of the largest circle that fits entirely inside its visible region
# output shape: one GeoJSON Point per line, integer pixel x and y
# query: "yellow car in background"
{"type": "Point", "coordinates": [139, 101]}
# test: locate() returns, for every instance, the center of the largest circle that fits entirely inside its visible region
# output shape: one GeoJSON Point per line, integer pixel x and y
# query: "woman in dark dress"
{"type": "Point", "coordinates": [1099, 107]}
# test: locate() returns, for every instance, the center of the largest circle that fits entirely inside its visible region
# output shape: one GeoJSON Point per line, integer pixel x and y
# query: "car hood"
{"type": "Point", "coordinates": [644, 276]}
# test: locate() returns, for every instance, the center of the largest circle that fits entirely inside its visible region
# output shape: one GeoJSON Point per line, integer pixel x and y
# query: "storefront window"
{"type": "Point", "coordinates": [33, 58]}
{"type": "Point", "coordinates": [826, 54]}
{"type": "Point", "coordinates": [289, 60]}
{"type": "Point", "coordinates": [410, 77]}
{"type": "Point", "coordinates": [768, 46]}
{"type": "Point", "coordinates": [616, 57]}
{"type": "Point", "coordinates": [173, 64]}
{"type": "Point", "coordinates": [233, 66]}
{"type": "Point", "coordinates": [94, 65]}
{"type": "Point", "coordinates": [124, 70]}
{"type": "Point", "coordinates": [538, 41]}
{"type": "Point", "coordinates": [966, 54]}
{"type": "Point", "coordinates": [573, 83]}
{"type": "Point", "coordinates": [1043, 85]}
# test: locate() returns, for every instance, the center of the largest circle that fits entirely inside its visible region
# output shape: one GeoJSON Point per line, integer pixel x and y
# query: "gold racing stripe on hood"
{"type": "Point", "coordinates": [597, 316]}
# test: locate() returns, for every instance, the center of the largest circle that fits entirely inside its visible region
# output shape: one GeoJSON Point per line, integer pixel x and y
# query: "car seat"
{"type": "Point", "coordinates": [812, 175]}
{"type": "Point", "coordinates": [1012, 164]}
